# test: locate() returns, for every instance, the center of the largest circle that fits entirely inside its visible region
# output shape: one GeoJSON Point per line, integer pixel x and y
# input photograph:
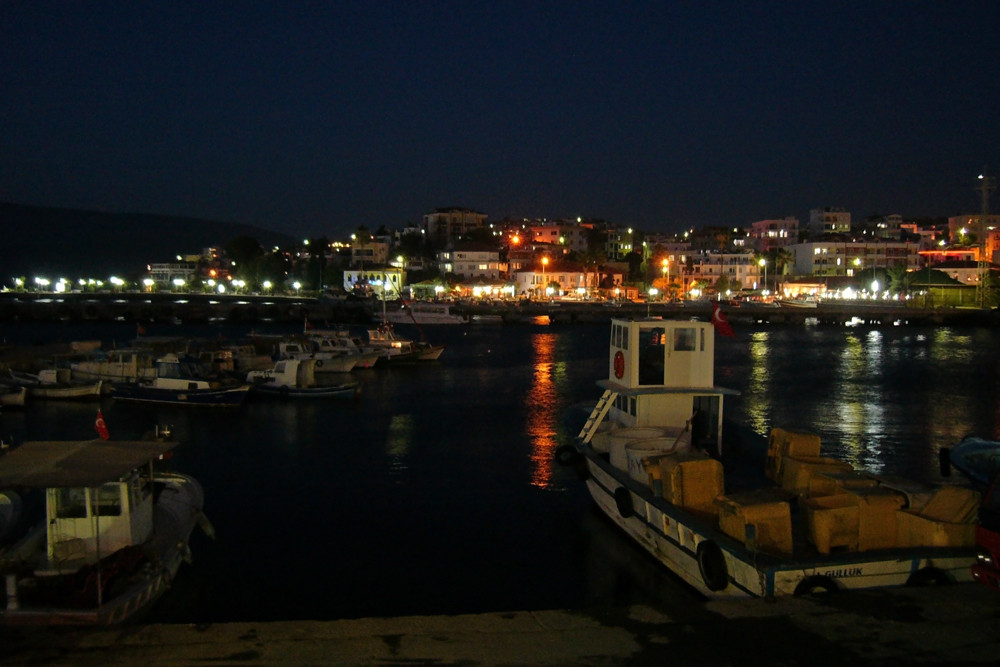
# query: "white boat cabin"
{"type": "Point", "coordinates": [294, 373]}
{"type": "Point", "coordinates": [661, 373]}
{"type": "Point", "coordinates": [173, 372]}
{"type": "Point", "coordinates": [99, 497]}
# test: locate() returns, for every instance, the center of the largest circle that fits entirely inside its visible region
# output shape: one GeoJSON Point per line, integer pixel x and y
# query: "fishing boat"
{"type": "Point", "coordinates": [976, 458]}
{"type": "Point", "coordinates": [55, 384]}
{"type": "Point", "coordinates": [113, 535]}
{"type": "Point", "coordinates": [396, 349]}
{"type": "Point", "coordinates": [116, 365]}
{"type": "Point", "coordinates": [802, 302]}
{"type": "Point", "coordinates": [180, 381]}
{"type": "Point", "coordinates": [424, 312]}
{"type": "Point", "coordinates": [328, 361]}
{"type": "Point", "coordinates": [297, 378]}
{"type": "Point", "coordinates": [343, 343]}
{"type": "Point", "coordinates": [769, 520]}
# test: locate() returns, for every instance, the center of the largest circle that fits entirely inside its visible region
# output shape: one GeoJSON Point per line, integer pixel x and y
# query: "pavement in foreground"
{"type": "Point", "coordinates": [943, 625]}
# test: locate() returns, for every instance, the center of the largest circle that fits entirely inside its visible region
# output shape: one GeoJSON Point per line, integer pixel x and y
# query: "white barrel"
{"type": "Point", "coordinates": [618, 439]}
{"type": "Point", "coordinates": [636, 453]}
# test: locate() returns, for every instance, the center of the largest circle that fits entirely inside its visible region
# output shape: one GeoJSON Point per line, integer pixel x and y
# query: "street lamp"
{"type": "Point", "coordinates": [763, 264]}
{"type": "Point", "coordinates": [545, 262]}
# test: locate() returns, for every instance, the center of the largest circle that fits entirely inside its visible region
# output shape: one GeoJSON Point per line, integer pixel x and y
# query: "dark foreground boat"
{"type": "Point", "coordinates": [112, 538]}
{"type": "Point", "coordinates": [651, 455]}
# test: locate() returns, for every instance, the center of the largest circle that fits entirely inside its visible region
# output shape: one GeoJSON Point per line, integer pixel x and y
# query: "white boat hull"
{"type": "Point", "coordinates": [675, 538]}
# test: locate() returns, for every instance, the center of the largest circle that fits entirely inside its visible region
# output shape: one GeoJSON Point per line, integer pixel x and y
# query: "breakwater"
{"type": "Point", "coordinates": [249, 309]}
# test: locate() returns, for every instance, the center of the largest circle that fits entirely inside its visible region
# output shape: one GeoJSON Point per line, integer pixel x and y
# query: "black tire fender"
{"type": "Point", "coordinates": [319, 363]}
{"type": "Point", "coordinates": [928, 576]}
{"type": "Point", "coordinates": [623, 499]}
{"type": "Point", "coordinates": [816, 585]}
{"type": "Point", "coordinates": [712, 566]}
{"type": "Point", "coordinates": [566, 455]}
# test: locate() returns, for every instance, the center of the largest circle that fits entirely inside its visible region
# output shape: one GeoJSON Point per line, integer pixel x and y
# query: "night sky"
{"type": "Point", "coordinates": [312, 118]}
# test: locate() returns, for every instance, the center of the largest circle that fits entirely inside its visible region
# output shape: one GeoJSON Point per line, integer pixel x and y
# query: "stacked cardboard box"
{"type": "Point", "coordinates": [831, 521]}
{"type": "Point", "coordinates": [782, 444]}
{"type": "Point", "coordinates": [759, 520]}
{"type": "Point", "coordinates": [948, 519]}
{"type": "Point", "coordinates": [692, 481]}
{"type": "Point", "coordinates": [877, 524]}
{"type": "Point", "coordinates": [830, 483]}
{"type": "Point", "coordinates": [797, 471]}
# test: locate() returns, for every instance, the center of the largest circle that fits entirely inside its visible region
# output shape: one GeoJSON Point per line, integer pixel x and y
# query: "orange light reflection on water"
{"type": "Point", "coordinates": [542, 406]}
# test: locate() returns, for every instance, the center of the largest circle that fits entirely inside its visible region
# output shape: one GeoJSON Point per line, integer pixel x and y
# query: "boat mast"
{"type": "Point", "coordinates": [986, 186]}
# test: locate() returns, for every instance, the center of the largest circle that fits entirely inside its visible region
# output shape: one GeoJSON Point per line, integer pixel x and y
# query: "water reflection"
{"type": "Point", "coordinates": [397, 444]}
{"type": "Point", "coordinates": [542, 407]}
{"type": "Point", "coordinates": [756, 401]}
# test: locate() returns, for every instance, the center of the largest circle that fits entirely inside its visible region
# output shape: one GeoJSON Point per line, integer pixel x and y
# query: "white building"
{"type": "Point", "coordinates": [740, 268]}
{"type": "Point", "coordinates": [847, 258]}
{"type": "Point", "coordinates": [472, 263]}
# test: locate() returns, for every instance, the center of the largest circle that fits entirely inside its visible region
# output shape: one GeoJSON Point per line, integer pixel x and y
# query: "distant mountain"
{"type": "Point", "coordinates": [60, 242]}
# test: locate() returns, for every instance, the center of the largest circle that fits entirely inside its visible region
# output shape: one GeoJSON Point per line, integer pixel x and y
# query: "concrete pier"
{"type": "Point", "coordinates": [942, 625]}
{"type": "Point", "coordinates": [249, 309]}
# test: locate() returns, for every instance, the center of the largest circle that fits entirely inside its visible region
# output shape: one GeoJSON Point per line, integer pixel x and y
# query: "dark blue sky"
{"type": "Point", "coordinates": [314, 117]}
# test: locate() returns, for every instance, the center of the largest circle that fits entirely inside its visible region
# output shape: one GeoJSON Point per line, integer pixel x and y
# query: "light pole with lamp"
{"type": "Point", "coordinates": [763, 264]}
{"type": "Point", "coordinates": [666, 275]}
{"type": "Point", "coordinates": [545, 262]}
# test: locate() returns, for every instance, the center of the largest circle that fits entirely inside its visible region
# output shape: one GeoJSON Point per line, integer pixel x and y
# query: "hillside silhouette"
{"type": "Point", "coordinates": [70, 243]}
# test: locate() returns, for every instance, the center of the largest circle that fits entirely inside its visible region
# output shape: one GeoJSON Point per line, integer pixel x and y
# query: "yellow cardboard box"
{"type": "Point", "coordinates": [831, 521]}
{"type": "Point", "coordinates": [948, 519]}
{"type": "Point", "coordinates": [771, 521]}
{"type": "Point", "coordinates": [830, 483]}
{"type": "Point", "coordinates": [782, 443]}
{"type": "Point", "coordinates": [877, 523]}
{"type": "Point", "coordinates": [692, 481]}
{"type": "Point", "coordinates": [796, 471]}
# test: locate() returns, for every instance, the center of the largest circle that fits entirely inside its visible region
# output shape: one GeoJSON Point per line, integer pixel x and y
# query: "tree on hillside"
{"type": "Point", "coordinates": [243, 250]}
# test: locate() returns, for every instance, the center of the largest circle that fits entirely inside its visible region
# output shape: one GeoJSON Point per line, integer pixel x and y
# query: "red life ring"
{"type": "Point", "coordinates": [619, 364]}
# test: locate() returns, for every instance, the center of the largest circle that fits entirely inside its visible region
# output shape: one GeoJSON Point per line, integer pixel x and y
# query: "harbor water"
{"type": "Point", "coordinates": [435, 491]}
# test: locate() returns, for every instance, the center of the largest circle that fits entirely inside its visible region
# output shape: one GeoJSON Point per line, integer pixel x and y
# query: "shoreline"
{"type": "Point", "coordinates": [936, 625]}
{"type": "Point", "coordinates": [176, 308]}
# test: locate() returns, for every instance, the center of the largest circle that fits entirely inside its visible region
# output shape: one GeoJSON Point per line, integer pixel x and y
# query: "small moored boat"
{"type": "Point", "coordinates": [56, 384]}
{"type": "Point", "coordinates": [296, 378]}
{"type": "Point", "coordinates": [113, 536]}
{"type": "Point", "coordinates": [179, 381]}
{"type": "Point", "coordinates": [398, 350]}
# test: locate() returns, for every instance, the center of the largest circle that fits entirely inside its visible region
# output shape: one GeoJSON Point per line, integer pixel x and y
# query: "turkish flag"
{"type": "Point", "coordinates": [101, 427]}
{"type": "Point", "coordinates": [721, 323]}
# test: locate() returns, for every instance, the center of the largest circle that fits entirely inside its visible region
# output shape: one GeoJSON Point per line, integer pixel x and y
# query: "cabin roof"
{"type": "Point", "coordinates": [83, 463]}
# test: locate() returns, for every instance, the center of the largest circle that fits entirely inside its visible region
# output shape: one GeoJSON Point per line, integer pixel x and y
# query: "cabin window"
{"type": "Point", "coordinates": [685, 339]}
{"type": "Point", "coordinates": [107, 501]}
{"type": "Point", "coordinates": [651, 355]}
{"type": "Point", "coordinates": [71, 503]}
